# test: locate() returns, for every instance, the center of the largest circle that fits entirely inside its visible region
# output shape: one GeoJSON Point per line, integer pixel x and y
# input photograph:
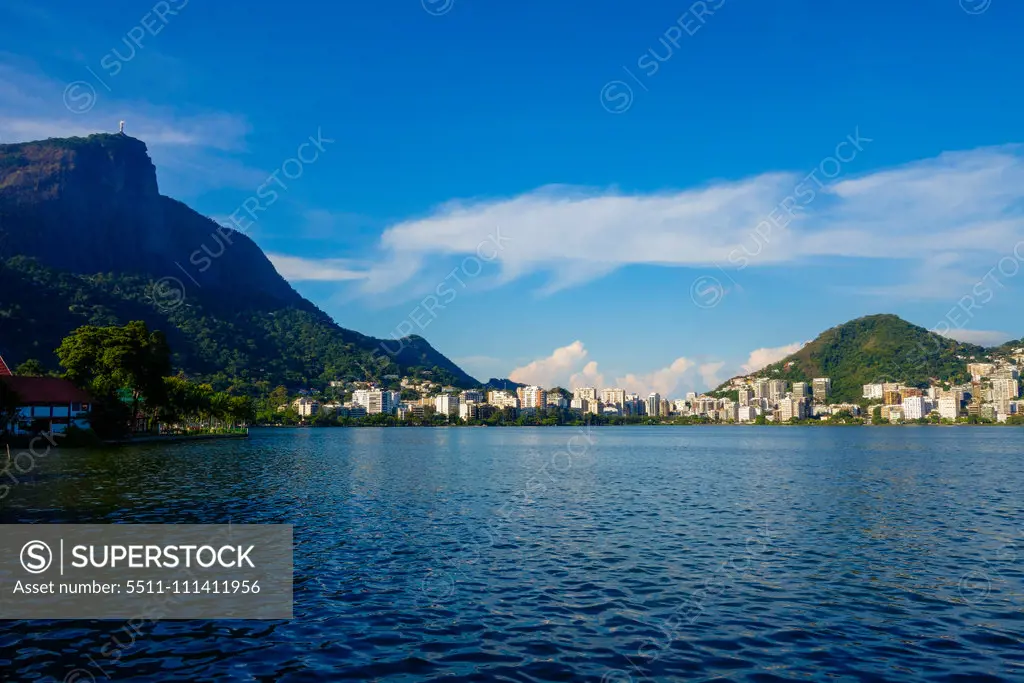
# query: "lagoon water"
{"type": "Point", "coordinates": [553, 554]}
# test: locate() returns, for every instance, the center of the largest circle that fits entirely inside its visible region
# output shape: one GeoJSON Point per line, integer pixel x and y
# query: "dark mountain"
{"type": "Point", "coordinates": [86, 238]}
{"type": "Point", "coordinates": [876, 348]}
{"type": "Point", "coordinates": [502, 384]}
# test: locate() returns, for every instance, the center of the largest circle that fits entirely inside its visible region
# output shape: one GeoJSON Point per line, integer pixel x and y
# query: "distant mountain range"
{"type": "Point", "coordinates": [87, 238]}
{"type": "Point", "coordinates": [880, 348]}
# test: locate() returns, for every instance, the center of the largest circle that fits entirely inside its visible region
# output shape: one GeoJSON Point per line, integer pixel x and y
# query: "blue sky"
{"type": "Point", "coordinates": [643, 167]}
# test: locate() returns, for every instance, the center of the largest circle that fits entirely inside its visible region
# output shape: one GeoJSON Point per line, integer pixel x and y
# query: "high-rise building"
{"type": "Point", "coordinates": [377, 401]}
{"type": "Point", "coordinates": [761, 388]}
{"type": "Point", "coordinates": [915, 407]}
{"type": "Point", "coordinates": [822, 389]}
{"type": "Point", "coordinates": [654, 404]}
{"type": "Point", "coordinates": [634, 405]}
{"type": "Point", "coordinates": [746, 414]}
{"type": "Point", "coordinates": [745, 397]}
{"type": "Point", "coordinates": [892, 398]}
{"type": "Point", "coordinates": [447, 404]}
{"type": "Point", "coordinates": [663, 408]}
{"type": "Point", "coordinates": [1005, 389]}
{"type": "Point", "coordinates": [776, 389]}
{"type": "Point", "coordinates": [949, 407]}
{"type": "Point", "coordinates": [800, 390]}
{"type": "Point", "coordinates": [613, 397]}
{"type": "Point", "coordinates": [588, 393]}
{"type": "Point", "coordinates": [532, 398]}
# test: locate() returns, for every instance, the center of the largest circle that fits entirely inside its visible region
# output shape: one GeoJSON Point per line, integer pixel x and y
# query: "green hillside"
{"type": "Point", "coordinates": [876, 348]}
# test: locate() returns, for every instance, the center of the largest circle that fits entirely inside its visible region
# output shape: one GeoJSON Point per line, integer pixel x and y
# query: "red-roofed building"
{"type": "Point", "coordinates": [4, 370]}
{"type": "Point", "coordinates": [47, 404]}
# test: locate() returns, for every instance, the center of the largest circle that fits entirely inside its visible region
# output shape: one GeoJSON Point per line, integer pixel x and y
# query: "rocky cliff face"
{"type": "Point", "coordinates": [92, 205]}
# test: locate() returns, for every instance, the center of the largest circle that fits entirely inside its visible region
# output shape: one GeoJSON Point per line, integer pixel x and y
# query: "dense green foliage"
{"type": "Point", "coordinates": [229, 346]}
{"type": "Point", "coordinates": [876, 348]}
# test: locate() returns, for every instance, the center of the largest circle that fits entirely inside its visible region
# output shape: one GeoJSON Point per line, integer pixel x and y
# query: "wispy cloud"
{"type": "Point", "coordinates": [959, 206]}
{"type": "Point", "coordinates": [297, 269]}
{"type": "Point", "coordinates": [980, 337]}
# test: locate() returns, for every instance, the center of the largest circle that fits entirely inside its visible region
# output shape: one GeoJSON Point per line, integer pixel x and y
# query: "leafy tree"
{"type": "Point", "coordinates": [107, 360]}
{"type": "Point", "coordinates": [30, 368]}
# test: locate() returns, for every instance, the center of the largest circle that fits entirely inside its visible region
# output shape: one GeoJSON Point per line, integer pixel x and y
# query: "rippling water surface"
{"type": "Point", "coordinates": [556, 554]}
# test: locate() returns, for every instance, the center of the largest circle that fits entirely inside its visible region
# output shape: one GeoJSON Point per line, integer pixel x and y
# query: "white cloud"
{"type": "Point", "coordinates": [960, 205]}
{"type": "Point", "coordinates": [588, 377]}
{"type": "Point", "coordinates": [980, 337]}
{"type": "Point", "coordinates": [665, 381]}
{"type": "Point", "coordinates": [553, 370]}
{"type": "Point", "coordinates": [709, 373]}
{"type": "Point", "coordinates": [759, 358]}
{"type": "Point", "coordinates": [570, 367]}
{"type": "Point", "coordinates": [296, 269]}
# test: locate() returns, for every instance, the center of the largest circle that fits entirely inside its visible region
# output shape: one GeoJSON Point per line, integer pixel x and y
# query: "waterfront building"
{"type": "Point", "coordinates": [613, 397]}
{"type": "Point", "coordinates": [376, 401]}
{"type": "Point", "coordinates": [949, 407]}
{"type": "Point", "coordinates": [532, 398]}
{"type": "Point", "coordinates": [447, 404]}
{"type": "Point", "coordinates": [654, 404]}
{"type": "Point", "coordinates": [915, 407]}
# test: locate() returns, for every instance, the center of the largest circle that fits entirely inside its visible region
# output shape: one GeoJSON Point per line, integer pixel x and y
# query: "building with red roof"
{"type": "Point", "coordinates": [46, 403]}
{"type": "Point", "coordinates": [4, 370]}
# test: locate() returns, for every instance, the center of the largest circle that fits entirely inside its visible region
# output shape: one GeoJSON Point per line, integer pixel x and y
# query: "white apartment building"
{"type": "Point", "coordinates": [587, 393]}
{"type": "Point", "coordinates": [746, 413]}
{"type": "Point", "coordinates": [376, 401]}
{"type": "Point", "coordinates": [776, 389]}
{"type": "Point", "coordinates": [916, 407]}
{"type": "Point", "coordinates": [949, 407]}
{"type": "Point", "coordinates": [468, 410]}
{"type": "Point", "coordinates": [1005, 389]}
{"type": "Point", "coordinates": [502, 399]}
{"type": "Point", "coordinates": [306, 407]}
{"type": "Point", "coordinates": [873, 392]}
{"type": "Point", "coordinates": [613, 397]}
{"type": "Point", "coordinates": [556, 400]}
{"type": "Point", "coordinates": [761, 388]}
{"type": "Point", "coordinates": [447, 404]}
{"type": "Point", "coordinates": [745, 397]}
{"type": "Point", "coordinates": [532, 398]}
